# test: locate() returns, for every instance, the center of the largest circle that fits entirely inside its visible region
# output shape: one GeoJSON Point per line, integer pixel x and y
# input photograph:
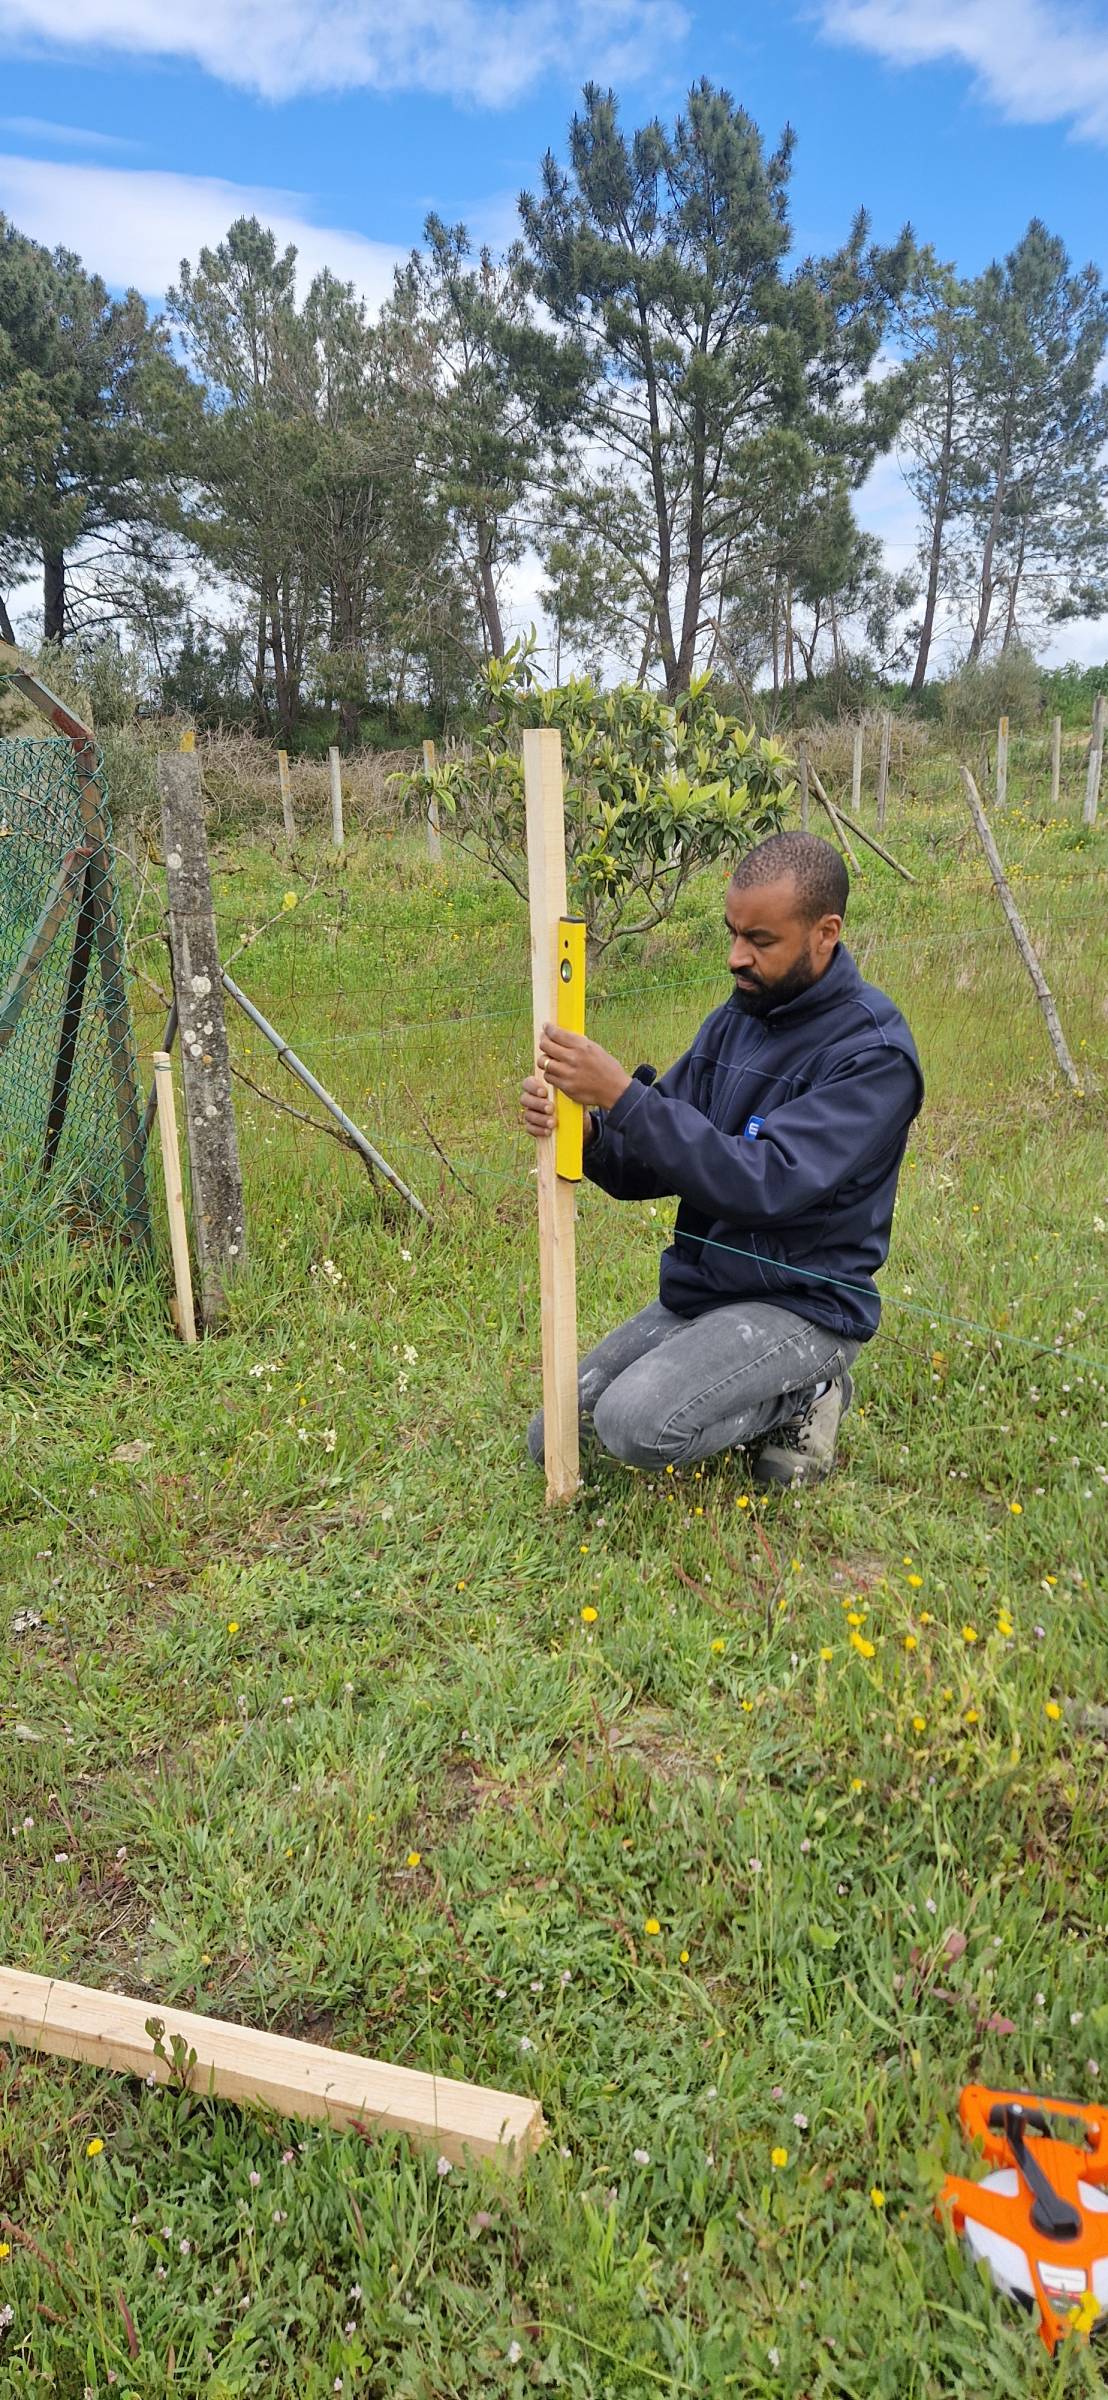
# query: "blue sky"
{"type": "Point", "coordinates": [343, 121]}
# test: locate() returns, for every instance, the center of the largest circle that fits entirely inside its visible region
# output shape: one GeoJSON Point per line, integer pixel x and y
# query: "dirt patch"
{"type": "Point", "coordinates": [654, 1736]}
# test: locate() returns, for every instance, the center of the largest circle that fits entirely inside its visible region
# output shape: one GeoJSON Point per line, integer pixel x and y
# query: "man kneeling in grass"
{"type": "Point", "coordinates": [781, 1133]}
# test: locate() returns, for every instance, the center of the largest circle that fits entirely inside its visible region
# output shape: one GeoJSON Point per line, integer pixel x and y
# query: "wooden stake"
{"type": "Point", "coordinates": [434, 831]}
{"type": "Point", "coordinates": [802, 779]}
{"type": "Point", "coordinates": [217, 1208]}
{"type": "Point", "coordinates": [856, 772]}
{"type": "Point", "coordinates": [337, 836]}
{"type": "Point", "coordinates": [1021, 937]}
{"type": "Point", "coordinates": [860, 835]}
{"type": "Point", "coordinates": [1002, 763]}
{"type": "Point", "coordinates": [286, 795]}
{"type": "Point", "coordinates": [836, 822]}
{"type": "Point", "coordinates": [1096, 761]}
{"type": "Point", "coordinates": [1055, 763]}
{"type": "Point", "coordinates": [174, 1195]}
{"type": "Point", "coordinates": [233, 2062]}
{"type": "Point", "coordinates": [883, 770]}
{"type": "Point", "coordinates": [546, 881]}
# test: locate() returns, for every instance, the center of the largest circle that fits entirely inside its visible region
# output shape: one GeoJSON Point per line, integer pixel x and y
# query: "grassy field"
{"type": "Point", "coordinates": [302, 1723]}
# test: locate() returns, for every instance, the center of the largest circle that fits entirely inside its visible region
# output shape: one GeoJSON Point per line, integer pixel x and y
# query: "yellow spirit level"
{"type": "Point", "coordinates": [569, 1117]}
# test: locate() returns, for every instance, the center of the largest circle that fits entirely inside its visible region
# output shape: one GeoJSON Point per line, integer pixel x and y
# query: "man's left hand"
{"type": "Point", "coordinates": [580, 1068]}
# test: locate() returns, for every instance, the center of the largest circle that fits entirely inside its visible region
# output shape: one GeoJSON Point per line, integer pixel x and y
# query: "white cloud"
{"type": "Point", "coordinates": [489, 51]}
{"type": "Point", "coordinates": [1039, 62]}
{"type": "Point", "coordinates": [64, 137]}
{"type": "Point", "coordinates": [134, 226]}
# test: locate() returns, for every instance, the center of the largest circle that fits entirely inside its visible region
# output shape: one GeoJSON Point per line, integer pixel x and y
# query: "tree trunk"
{"type": "Point", "coordinates": [1014, 581]}
{"type": "Point", "coordinates": [938, 528]}
{"type": "Point", "coordinates": [490, 605]}
{"type": "Point", "coordinates": [6, 634]}
{"type": "Point", "coordinates": [662, 617]}
{"type": "Point", "coordinates": [988, 587]}
{"type": "Point", "coordinates": [261, 710]}
{"type": "Point", "coordinates": [694, 585]}
{"type": "Point", "coordinates": [775, 630]}
{"type": "Point", "coordinates": [280, 678]}
{"type": "Point", "coordinates": [53, 591]}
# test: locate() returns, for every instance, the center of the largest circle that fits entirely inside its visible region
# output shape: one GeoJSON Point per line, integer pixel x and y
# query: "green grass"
{"type": "Point", "coordinates": [325, 1623]}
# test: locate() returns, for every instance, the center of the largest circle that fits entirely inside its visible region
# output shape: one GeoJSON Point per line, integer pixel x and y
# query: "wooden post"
{"type": "Point", "coordinates": [174, 1195]}
{"type": "Point", "coordinates": [217, 1209]}
{"type": "Point", "coordinates": [1021, 937]}
{"type": "Point", "coordinates": [802, 779]}
{"type": "Point", "coordinates": [434, 836]}
{"type": "Point", "coordinates": [1096, 761]}
{"type": "Point", "coordinates": [856, 772]}
{"type": "Point", "coordinates": [546, 883]}
{"type": "Point", "coordinates": [337, 836]}
{"type": "Point", "coordinates": [235, 2062]}
{"type": "Point", "coordinates": [1002, 763]}
{"type": "Point", "coordinates": [1055, 763]}
{"type": "Point", "coordinates": [883, 770]}
{"type": "Point", "coordinates": [286, 795]}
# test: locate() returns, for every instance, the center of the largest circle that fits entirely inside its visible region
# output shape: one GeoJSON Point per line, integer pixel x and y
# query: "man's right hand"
{"type": "Point", "coordinates": [537, 1103]}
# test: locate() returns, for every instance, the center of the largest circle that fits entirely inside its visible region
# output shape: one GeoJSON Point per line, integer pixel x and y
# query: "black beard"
{"type": "Point", "coordinates": [756, 1000]}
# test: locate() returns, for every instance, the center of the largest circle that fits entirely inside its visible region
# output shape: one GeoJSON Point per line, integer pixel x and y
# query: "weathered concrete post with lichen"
{"type": "Point", "coordinates": [217, 1205]}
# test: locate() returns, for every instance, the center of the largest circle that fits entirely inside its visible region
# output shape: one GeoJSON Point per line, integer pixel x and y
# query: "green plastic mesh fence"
{"type": "Point", "coordinates": [70, 1133]}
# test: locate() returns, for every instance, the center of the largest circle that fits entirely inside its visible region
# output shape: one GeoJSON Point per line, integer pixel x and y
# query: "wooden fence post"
{"type": "Point", "coordinates": [883, 770]}
{"type": "Point", "coordinates": [434, 838]}
{"type": "Point", "coordinates": [286, 795]}
{"type": "Point", "coordinates": [802, 779]}
{"type": "Point", "coordinates": [856, 772]}
{"type": "Point", "coordinates": [1096, 761]}
{"type": "Point", "coordinates": [335, 771]}
{"type": "Point", "coordinates": [217, 1207]}
{"type": "Point", "coordinates": [1021, 937]}
{"type": "Point", "coordinates": [174, 1195]}
{"type": "Point", "coordinates": [546, 885]}
{"type": "Point", "coordinates": [1055, 763]}
{"type": "Point", "coordinates": [1002, 763]}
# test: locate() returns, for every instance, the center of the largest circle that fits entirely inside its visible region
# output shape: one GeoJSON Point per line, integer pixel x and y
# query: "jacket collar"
{"type": "Point", "coordinates": [839, 981]}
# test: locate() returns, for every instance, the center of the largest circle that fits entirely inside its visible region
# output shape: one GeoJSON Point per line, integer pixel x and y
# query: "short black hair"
{"type": "Point", "coordinates": [816, 868]}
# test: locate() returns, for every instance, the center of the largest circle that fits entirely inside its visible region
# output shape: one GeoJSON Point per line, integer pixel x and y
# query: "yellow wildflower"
{"type": "Point", "coordinates": [415, 1858]}
{"type": "Point", "coordinates": [743, 1500]}
{"type": "Point", "coordinates": [779, 2157]}
{"type": "Point", "coordinates": [589, 1615]}
{"type": "Point", "coordinates": [919, 1724]}
{"type": "Point", "coordinates": [859, 1643]}
{"type": "Point", "coordinates": [877, 2195]}
{"type": "Point", "coordinates": [718, 1647]}
{"type": "Point", "coordinates": [233, 1625]}
{"type": "Point", "coordinates": [684, 1958]}
{"type": "Point", "coordinates": [94, 2148]}
{"type": "Point", "coordinates": [855, 1616]}
{"type": "Point", "coordinates": [826, 1653]}
{"type": "Point", "coordinates": [289, 899]}
{"type": "Point", "coordinates": [1016, 1507]}
{"type": "Point", "coordinates": [915, 1581]}
{"type": "Point", "coordinates": [652, 1925]}
{"type": "Point", "coordinates": [969, 1633]}
{"type": "Point", "coordinates": [911, 1642]}
{"type": "Point", "coordinates": [1053, 1711]}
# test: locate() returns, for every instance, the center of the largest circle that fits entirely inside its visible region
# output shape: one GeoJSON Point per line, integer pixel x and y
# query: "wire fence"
{"type": "Point", "coordinates": [406, 988]}
{"type": "Point", "coordinates": [67, 1130]}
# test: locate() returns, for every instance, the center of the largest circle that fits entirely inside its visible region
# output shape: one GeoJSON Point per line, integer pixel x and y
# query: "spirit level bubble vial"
{"type": "Point", "coordinates": [569, 1116]}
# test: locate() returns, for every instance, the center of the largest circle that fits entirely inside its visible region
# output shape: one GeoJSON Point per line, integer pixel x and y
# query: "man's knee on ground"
{"type": "Point", "coordinates": [626, 1435]}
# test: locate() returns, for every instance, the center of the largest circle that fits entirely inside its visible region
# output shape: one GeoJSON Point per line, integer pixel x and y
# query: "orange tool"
{"type": "Point", "coordinates": [1040, 2221]}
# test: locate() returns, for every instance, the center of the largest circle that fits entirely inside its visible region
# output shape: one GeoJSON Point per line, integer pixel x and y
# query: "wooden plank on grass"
{"type": "Point", "coordinates": [233, 2062]}
{"type": "Point", "coordinates": [546, 886]}
{"type": "Point", "coordinates": [286, 795]}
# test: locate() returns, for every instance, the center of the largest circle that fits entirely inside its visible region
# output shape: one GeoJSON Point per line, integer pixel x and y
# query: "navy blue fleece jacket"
{"type": "Point", "coordinates": [782, 1136]}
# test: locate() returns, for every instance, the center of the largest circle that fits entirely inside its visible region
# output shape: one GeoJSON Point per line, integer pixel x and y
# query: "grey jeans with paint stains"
{"type": "Point", "coordinates": [664, 1390]}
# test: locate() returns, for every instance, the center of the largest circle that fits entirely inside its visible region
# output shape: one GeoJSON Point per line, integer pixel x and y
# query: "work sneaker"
{"type": "Point", "coordinates": [803, 1449]}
